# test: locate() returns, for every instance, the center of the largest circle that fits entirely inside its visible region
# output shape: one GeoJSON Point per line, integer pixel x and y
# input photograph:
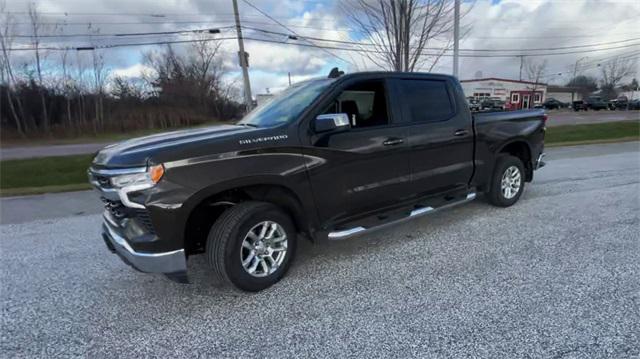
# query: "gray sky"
{"type": "Point", "coordinates": [505, 24]}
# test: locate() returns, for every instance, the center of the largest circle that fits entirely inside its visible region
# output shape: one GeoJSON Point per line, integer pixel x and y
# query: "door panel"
{"type": "Point", "coordinates": [356, 172]}
{"type": "Point", "coordinates": [440, 141]}
{"type": "Point", "coordinates": [361, 169]}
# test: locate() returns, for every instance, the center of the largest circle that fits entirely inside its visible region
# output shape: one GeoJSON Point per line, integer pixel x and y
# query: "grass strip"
{"type": "Point", "coordinates": [57, 173]}
{"type": "Point", "coordinates": [593, 132]}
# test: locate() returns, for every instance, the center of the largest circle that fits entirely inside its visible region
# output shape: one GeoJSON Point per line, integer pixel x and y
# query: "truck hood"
{"type": "Point", "coordinates": [138, 151]}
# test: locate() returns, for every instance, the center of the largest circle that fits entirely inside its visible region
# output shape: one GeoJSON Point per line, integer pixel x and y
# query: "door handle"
{"type": "Point", "coordinates": [393, 141]}
{"type": "Point", "coordinates": [461, 133]}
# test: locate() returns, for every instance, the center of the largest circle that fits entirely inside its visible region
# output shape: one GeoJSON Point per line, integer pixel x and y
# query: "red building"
{"type": "Point", "coordinates": [516, 94]}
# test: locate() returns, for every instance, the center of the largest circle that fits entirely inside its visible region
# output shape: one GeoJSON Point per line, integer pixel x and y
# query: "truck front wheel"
{"type": "Point", "coordinates": [251, 245]}
{"type": "Point", "coordinates": [507, 182]}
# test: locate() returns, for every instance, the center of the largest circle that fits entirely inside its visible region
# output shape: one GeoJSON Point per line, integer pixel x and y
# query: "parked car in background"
{"type": "Point", "coordinates": [326, 159]}
{"type": "Point", "coordinates": [621, 103]}
{"type": "Point", "coordinates": [492, 104]}
{"type": "Point", "coordinates": [579, 106]}
{"type": "Point", "coordinates": [634, 104]}
{"type": "Point", "coordinates": [474, 104]}
{"type": "Point", "coordinates": [596, 103]}
{"type": "Point", "coordinates": [553, 104]}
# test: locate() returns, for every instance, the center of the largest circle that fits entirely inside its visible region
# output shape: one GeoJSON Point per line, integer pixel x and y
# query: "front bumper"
{"type": "Point", "coordinates": [173, 263]}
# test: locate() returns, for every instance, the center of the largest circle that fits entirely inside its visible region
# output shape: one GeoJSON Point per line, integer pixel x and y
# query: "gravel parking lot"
{"type": "Point", "coordinates": [555, 276]}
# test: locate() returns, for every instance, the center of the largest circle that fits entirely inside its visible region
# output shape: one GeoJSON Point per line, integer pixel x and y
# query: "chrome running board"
{"type": "Point", "coordinates": [351, 232]}
{"type": "Point", "coordinates": [539, 162]}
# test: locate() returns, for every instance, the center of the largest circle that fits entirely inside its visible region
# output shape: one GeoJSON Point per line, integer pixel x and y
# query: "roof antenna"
{"type": "Point", "coordinates": [335, 73]}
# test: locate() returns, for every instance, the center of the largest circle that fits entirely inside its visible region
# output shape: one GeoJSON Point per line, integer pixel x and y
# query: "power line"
{"type": "Point", "coordinates": [295, 36]}
{"type": "Point", "coordinates": [321, 47]}
{"type": "Point", "coordinates": [448, 55]}
{"type": "Point", "coordinates": [249, 21]}
{"type": "Point", "coordinates": [550, 75]}
{"type": "Point", "coordinates": [288, 29]}
{"type": "Point", "coordinates": [435, 48]}
{"type": "Point", "coordinates": [202, 14]}
{"type": "Point", "coordinates": [210, 31]}
{"type": "Point", "coordinates": [633, 55]}
{"type": "Point", "coordinates": [110, 46]}
{"type": "Point", "coordinates": [91, 23]}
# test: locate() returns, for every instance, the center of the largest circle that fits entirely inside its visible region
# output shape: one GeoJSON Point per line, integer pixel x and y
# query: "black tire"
{"type": "Point", "coordinates": [495, 195]}
{"type": "Point", "coordinates": [224, 244]}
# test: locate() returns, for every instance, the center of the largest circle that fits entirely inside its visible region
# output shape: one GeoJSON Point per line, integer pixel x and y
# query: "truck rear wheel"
{"type": "Point", "coordinates": [251, 245]}
{"type": "Point", "coordinates": [507, 182]}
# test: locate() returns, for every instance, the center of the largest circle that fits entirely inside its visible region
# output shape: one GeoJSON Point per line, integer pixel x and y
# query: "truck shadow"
{"type": "Point", "coordinates": [317, 259]}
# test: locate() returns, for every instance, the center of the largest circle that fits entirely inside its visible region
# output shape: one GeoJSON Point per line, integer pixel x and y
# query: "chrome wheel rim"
{"type": "Point", "coordinates": [511, 182]}
{"type": "Point", "coordinates": [263, 249]}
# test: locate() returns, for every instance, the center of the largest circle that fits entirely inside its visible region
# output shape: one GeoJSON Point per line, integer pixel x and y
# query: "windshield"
{"type": "Point", "coordinates": [287, 105]}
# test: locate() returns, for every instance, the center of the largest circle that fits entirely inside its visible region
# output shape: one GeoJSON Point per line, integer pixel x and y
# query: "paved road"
{"type": "Point", "coordinates": [555, 276]}
{"type": "Point", "coordinates": [14, 153]}
{"type": "Point", "coordinates": [557, 118]}
{"type": "Point", "coordinates": [49, 206]}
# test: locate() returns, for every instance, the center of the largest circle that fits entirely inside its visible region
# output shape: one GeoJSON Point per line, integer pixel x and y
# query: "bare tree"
{"type": "Point", "coordinates": [206, 65]}
{"type": "Point", "coordinates": [535, 72]}
{"type": "Point", "coordinates": [36, 28]}
{"type": "Point", "coordinates": [613, 72]}
{"type": "Point", "coordinates": [99, 77]}
{"type": "Point", "coordinates": [126, 89]}
{"type": "Point", "coordinates": [399, 31]}
{"type": "Point", "coordinates": [584, 84]}
{"type": "Point", "coordinates": [66, 86]}
{"type": "Point", "coordinates": [81, 87]}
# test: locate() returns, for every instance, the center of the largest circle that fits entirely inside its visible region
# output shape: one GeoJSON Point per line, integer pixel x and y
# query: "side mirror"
{"type": "Point", "coordinates": [332, 122]}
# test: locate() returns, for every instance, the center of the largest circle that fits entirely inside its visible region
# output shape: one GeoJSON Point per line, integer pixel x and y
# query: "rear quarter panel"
{"type": "Point", "coordinates": [494, 131]}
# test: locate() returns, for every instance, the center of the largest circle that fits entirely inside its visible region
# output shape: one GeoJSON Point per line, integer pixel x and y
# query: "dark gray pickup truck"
{"type": "Point", "coordinates": [326, 159]}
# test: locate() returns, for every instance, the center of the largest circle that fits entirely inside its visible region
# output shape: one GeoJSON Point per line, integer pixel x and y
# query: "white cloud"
{"type": "Point", "coordinates": [514, 24]}
{"type": "Point", "coordinates": [510, 24]}
{"type": "Point", "coordinates": [134, 71]}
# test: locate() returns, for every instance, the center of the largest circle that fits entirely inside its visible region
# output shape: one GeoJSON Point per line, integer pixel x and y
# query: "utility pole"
{"type": "Point", "coordinates": [521, 65]}
{"type": "Point", "coordinates": [456, 37]}
{"type": "Point", "coordinates": [243, 60]}
{"type": "Point", "coordinates": [289, 78]}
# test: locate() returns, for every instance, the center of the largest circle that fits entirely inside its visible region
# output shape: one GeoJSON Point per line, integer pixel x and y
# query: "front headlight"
{"type": "Point", "coordinates": [139, 180]}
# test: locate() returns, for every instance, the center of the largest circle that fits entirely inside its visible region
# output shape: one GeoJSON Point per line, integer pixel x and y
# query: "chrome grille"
{"type": "Point", "coordinates": [116, 208]}
{"type": "Point", "coordinates": [119, 213]}
{"type": "Point", "coordinates": [103, 181]}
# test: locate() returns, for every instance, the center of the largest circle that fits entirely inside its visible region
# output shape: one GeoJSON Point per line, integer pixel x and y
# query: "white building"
{"type": "Point", "coordinates": [564, 94]}
{"type": "Point", "coordinates": [516, 94]}
{"type": "Point", "coordinates": [262, 98]}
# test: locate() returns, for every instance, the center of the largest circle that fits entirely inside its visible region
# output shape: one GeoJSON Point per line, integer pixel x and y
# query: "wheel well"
{"type": "Point", "coordinates": [521, 150]}
{"type": "Point", "coordinates": [207, 211]}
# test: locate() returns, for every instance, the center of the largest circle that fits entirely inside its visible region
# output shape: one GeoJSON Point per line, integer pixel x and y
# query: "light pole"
{"type": "Point", "coordinates": [575, 72]}
{"type": "Point", "coordinates": [456, 37]}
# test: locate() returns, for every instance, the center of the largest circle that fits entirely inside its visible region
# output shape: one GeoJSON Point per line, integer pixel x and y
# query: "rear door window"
{"type": "Point", "coordinates": [426, 100]}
